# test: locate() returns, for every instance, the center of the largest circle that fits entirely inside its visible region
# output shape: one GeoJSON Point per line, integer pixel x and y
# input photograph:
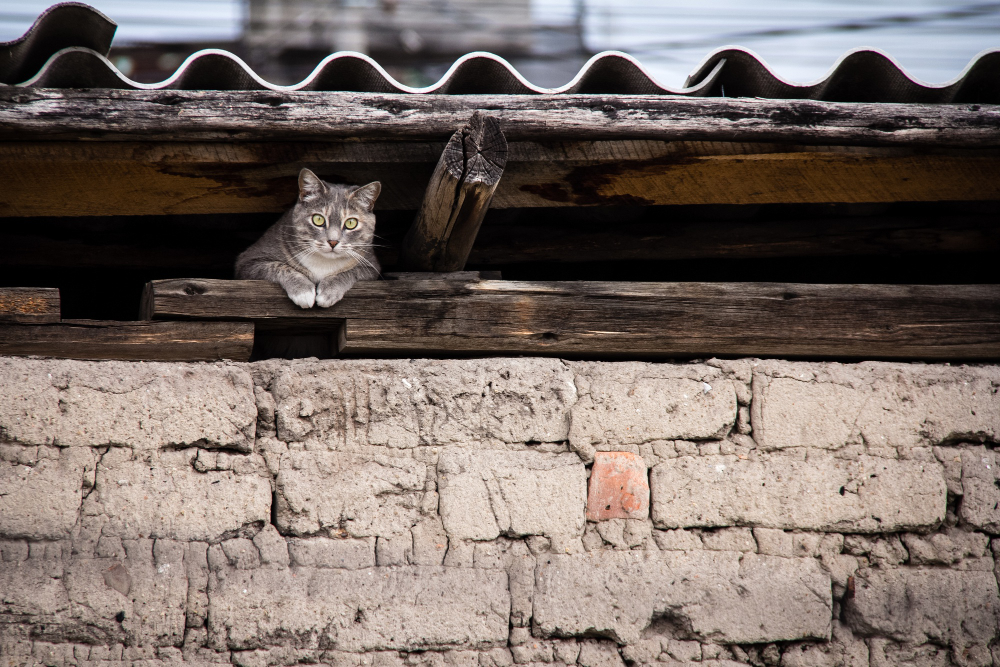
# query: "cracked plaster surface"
{"type": "Point", "coordinates": [171, 472]}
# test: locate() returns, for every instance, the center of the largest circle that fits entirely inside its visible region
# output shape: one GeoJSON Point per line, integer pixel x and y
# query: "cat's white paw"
{"type": "Point", "coordinates": [329, 296]}
{"type": "Point", "coordinates": [303, 297]}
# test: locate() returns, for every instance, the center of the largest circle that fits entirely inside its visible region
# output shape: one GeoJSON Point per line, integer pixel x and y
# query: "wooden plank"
{"type": "Point", "coordinates": [247, 115]}
{"type": "Point", "coordinates": [767, 178]}
{"type": "Point", "coordinates": [457, 197]}
{"type": "Point", "coordinates": [621, 320]}
{"type": "Point", "coordinates": [34, 305]}
{"type": "Point", "coordinates": [150, 341]}
{"type": "Point", "coordinates": [130, 178]}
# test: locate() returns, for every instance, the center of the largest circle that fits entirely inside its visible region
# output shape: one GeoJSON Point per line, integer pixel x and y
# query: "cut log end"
{"type": "Point", "coordinates": [457, 197]}
{"type": "Point", "coordinates": [477, 153]}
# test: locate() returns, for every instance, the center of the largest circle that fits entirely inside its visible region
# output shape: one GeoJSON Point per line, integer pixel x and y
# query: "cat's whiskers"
{"type": "Point", "coordinates": [301, 247]}
{"type": "Point", "coordinates": [295, 236]}
{"type": "Point", "coordinates": [364, 260]}
{"type": "Point", "coordinates": [359, 257]}
{"type": "Point", "coordinates": [302, 254]}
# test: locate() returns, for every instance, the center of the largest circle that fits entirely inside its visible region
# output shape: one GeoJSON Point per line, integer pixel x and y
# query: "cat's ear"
{"type": "Point", "coordinates": [310, 186]}
{"type": "Point", "coordinates": [366, 195]}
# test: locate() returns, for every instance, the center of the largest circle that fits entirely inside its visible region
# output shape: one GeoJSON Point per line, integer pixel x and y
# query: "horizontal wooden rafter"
{"type": "Point", "coordinates": [229, 115]}
{"type": "Point", "coordinates": [137, 178]}
{"type": "Point", "coordinates": [150, 341]}
{"type": "Point", "coordinates": [618, 319]}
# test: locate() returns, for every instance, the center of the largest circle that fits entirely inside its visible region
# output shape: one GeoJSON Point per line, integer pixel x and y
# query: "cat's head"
{"type": "Point", "coordinates": [334, 220]}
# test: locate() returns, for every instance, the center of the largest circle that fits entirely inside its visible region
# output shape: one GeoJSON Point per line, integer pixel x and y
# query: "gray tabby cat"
{"type": "Point", "coordinates": [321, 246]}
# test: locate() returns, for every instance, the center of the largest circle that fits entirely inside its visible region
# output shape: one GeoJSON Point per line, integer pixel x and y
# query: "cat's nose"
{"type": "Point", "coordinates": [333, 243]}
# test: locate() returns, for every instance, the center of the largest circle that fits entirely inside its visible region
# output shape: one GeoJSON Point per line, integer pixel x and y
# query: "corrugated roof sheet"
{"type": "Point", "coordinates": [68, 44]}
{"type": "Point", "coordinates": [66, 25]}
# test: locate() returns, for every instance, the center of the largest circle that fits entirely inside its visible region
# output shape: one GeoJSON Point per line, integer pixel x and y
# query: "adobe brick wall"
{"type": "Point", "coordinates": [483, 513]}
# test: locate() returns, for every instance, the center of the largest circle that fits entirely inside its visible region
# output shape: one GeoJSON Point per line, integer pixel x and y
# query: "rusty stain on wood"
{"type": "Point", "coordinates": [29, 304]}
{"type": "Point", "coordinates": [23, 305]}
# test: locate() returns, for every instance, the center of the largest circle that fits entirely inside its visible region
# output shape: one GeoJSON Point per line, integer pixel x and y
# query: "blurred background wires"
{"type": "Point", "coordinates": [546, 40]}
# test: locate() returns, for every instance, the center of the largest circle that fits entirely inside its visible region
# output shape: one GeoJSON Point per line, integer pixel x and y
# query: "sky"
{"type": "Point", "coordinates": [141, 20]}
{"type": "Point", "coordinates": [801, 40]}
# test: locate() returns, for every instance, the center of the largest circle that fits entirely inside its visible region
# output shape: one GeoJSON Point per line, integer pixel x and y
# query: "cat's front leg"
{"type": "Point", "coordinates": [332, 289]}
{"type": "Point", "coordinates": [299, 289]}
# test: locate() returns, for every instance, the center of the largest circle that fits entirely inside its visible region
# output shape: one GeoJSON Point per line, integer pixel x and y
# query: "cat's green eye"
{"type": "Point", "coordinates": [350, 223]}
{"type": "Point", "coordinates": [318, 220]}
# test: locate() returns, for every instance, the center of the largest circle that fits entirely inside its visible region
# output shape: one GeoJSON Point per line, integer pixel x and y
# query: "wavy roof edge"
{"type": "Point", "coordinates": [66, 24]}
{"type": "Point", "coordinates": [67, 45]}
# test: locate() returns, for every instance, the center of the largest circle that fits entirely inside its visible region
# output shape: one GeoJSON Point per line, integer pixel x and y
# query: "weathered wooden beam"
{"type": "Point", "coordinates": [176, 178]}
{"type": "Point", "coordinates": [243, 115]}
{"type": "Point", "coordinates": [791, 177]}
{"type": "Point", "coordinates": [34, 305]}
{"type": "Point", "coordinates": [457, 197]}
{"type": "Point", "coordinates": [150, 341]}
{"type": "Point", "coordinates": [620, 320]}
{"type": "Point", "coordinates": [129, 178]}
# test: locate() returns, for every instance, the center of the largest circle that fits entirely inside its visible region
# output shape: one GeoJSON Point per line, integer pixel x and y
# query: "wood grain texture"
{"type": "Point", "coordinates": [176, 178]}
{"type": "Point", "coordinates": [34, 305]}
{"type": "Point", "coordinates": [798, 177]}
{"type": "Point", "coordinates": [149, 341]}
{"type": "Point", "coordinates": [240, 115]}
{"type": "Point", "coordinates": [135, 178]}
{"type": "Point", "coordinates": [457, 197]}
{"type": "Point", "coordinates": [621, 320]}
